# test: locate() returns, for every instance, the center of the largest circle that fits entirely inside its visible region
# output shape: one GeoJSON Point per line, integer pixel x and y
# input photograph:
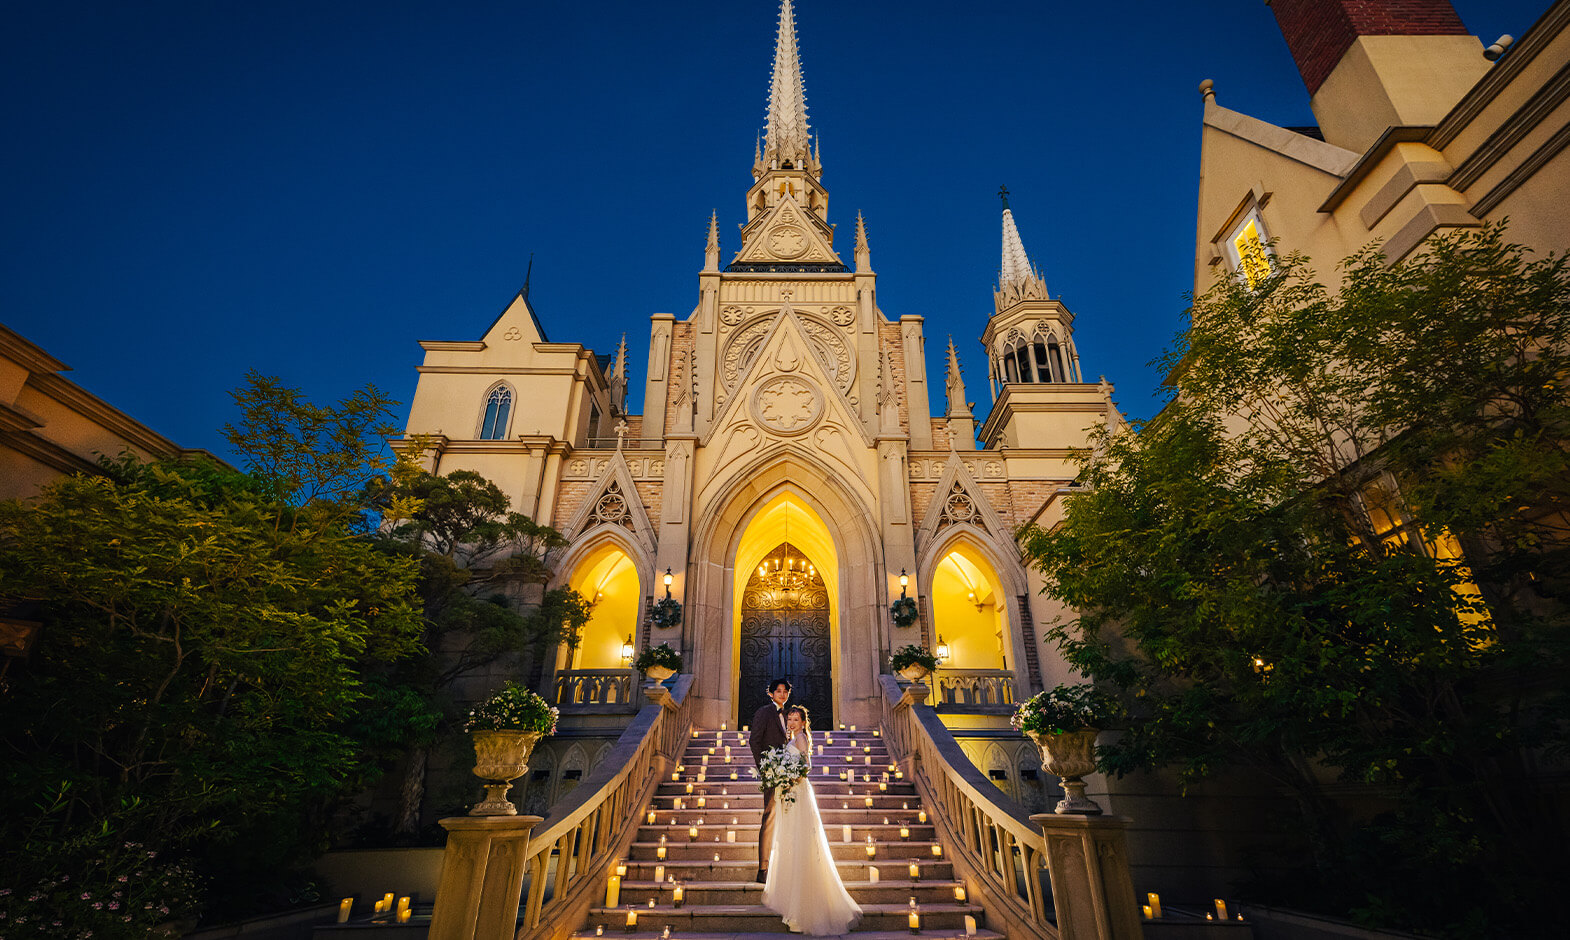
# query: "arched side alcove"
{"type": "Point", "coordinates": [859, 591]}
{"type": "Point", "coordinates": [963, 561]}
{"type": "Point", "coordinates": [607, 575]}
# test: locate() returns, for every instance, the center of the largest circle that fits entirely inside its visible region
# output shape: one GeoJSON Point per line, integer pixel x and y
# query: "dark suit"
{"type": "Point", "coordinates": [768, 731]}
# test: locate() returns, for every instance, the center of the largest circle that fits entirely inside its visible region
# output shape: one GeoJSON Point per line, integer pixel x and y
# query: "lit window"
{"type": "Point", "coordinates": [1393, 524]}
{"type": "Point", "coordinates": [1248, 250]}
{"type": "Point", "coordinates": [498, 407]}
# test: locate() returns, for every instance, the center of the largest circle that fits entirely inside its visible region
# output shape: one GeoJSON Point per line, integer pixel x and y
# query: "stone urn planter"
{"type": "Point", "coordinates": [658, 674]}
{"type": "Point", "coordinates": [1070, 755]}
{"type": "Point", "coordinates": [915, 672]}
{"type": "Point", "coordinates": [500, 757]}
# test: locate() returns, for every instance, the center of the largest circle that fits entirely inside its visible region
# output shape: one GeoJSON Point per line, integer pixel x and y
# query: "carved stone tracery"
{"type": "Point", "coordinates": [611, 508]}
{"type": "Point", "coordinates": [827, 344]}
{"type": "Point", "coordinates": [958, 507]}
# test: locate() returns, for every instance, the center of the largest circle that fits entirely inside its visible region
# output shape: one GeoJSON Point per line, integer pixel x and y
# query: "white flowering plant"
{"type": "Point", "coordinates": [780, 768]}
{"type": "Point", "coordinates": [513, 708]}
{"type": "Point", "coordinates": [1065, 708]}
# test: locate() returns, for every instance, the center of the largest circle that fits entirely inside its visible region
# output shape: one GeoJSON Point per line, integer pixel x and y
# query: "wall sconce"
{"type": "Point", "coordinates": [943, 649]}
{"type": "Point", "coordinates": [626, 651]}
{"type": "Point", "coordinates": [668, 579]}
{"type": "Point", "coordinates": [904, 582]}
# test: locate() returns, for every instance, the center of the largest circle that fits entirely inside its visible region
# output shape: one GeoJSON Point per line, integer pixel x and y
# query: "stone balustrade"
{"type": "Point", "coordinates": [597, 690]}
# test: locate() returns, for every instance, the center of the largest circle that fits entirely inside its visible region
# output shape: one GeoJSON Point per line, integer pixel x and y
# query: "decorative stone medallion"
{"type": "Point", "coordinates": [788, 241]}
{"type": "Point", "coordinates": [787, 404]}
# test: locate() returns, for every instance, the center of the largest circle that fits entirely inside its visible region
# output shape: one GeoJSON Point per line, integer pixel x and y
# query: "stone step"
{"type": "Point", "coordinates": [892, 852]}
{"type": "Point", "coordinates": [729, 919]}
{"type": "Point", "coordinates": [713, 829]}
{"type": "Point", "coordinates": [694, 871]}
{"type": "Point", "coordinates": [639, 892]}
{"type": "Point", "coordinates": [904, 934]}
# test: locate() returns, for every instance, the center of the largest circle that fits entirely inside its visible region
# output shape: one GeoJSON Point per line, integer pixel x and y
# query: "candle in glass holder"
{"type": "Point", "coordinates": [868, 801]}
{"type": "Point", "coordinates": [743, 728]}
{"type": "Point", "coordinates": [344, 907]}
{"type": "Point", "coordinates": [678, 894]}
{"type": "Point", "coordinates": [733, 775]}
{"type": "Point", "coordinates": [651, 817]}
{"type": "Point", "coordinates": [877, 733]}
{"type": "Point", "coordinates": [1221, 909]}
{"type": "Point", "coordinates": [883, 786]}
{"type": "Point", "coordinates": [703, 759]}
{"type": "Point", "coordinates": [689, 788]}
{"type": "Point", "coordinates": [622, 870]}
{"type": "Point", "coordinates": [872, 850]}
{"type": "Point", "coordinates": [659, 853]}
{"type": "Point", "coordinates": [921, 816]}
{"type": "Point", "coordinates": [828, 739]}
{"type": "Point", "coordinates": [679, 805]}
{"type": "Point", "coordinates": [702, 802]}
{"type": "Point", "coordinates": [842, 726]}
{"type": "Point", "coordinates": [724, 725]}
{"type": "Point", "coordinates": [872, 874]}
{"type": "Point", "coordinates": [937, 849]}
{"type": "Point", "coordinates": [716, 856]}
{"type": "Point", "coordinates": [725, 791]}
{"type": "Point", "coordinates": [915, 921]}
{"type": "Point", "coordinates": [867, 749]}
{"type": "Point", "coordinates": [1155, 903]}
{"type": "Point", "coordinates": [915, 870]}
{"type": "Point", "coordinates": [867, 759]}
{"type": "Point", "coordinates": [599, 931]}
{"type": "Point", "coordinates": [692, 833]}
{"type": "Point", "coordinates": [904, 832]}
{"type": "Point", "coordinates": [959, 893]}
{"type": "Point", "coordinates": [852, 729]}
{"type": "Point", "coordinates": [632, 918]}
{"type": "Point", "coordinates": [676, 776]}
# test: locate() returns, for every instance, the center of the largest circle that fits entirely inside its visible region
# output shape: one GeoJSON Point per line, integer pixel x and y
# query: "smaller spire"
{"type": "Point", "coordinates": [863, 250]}
{"type": "Point", "coordinates": [618, 378]}
{"type": "Point", "coordinates": [955, 387]}
{"type": "Point", "coordinates": [711, 251]}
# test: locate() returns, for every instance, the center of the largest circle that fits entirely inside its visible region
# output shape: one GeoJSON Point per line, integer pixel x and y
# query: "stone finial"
{"type": "Point", "coordinates": [1207, 90]}
{"type": "Point", "coordinates": [863, 250]}
{"type": "Point", "coordinates": [618, 377]}
{"type": "Point", "coordinates": [711, 251]}
{"type": "Point", "coordinates": [954, 388]}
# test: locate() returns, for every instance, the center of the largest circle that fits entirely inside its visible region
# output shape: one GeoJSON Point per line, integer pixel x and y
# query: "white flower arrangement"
{"type": "Point", "coordinates": [780, 768]}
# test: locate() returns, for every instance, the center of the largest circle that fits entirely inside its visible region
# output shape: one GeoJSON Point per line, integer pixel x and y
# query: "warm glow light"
{"type": "Point", "coordinates": [627, 651]}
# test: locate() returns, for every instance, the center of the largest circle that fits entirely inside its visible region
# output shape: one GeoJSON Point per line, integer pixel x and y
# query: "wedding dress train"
{"type": "Point", "coordinates": [803, 885]}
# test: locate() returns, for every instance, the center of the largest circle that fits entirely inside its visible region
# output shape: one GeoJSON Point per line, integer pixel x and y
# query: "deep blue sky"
{"type": "Point", "coordinates": [195, 188]}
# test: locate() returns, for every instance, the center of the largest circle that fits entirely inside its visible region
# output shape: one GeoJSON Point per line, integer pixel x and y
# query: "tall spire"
{"type": "Point", "coordinates": [785, 137]}
{"type": "Point", "coordinates": [1017, 279]}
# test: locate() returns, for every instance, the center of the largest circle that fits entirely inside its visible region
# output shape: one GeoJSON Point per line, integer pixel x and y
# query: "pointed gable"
{"type": "Point", "coordinates": [614, 501]}
{"type": "Point", "coordinates": [787, 234]}
{"type": "Point", "coordinates": [958, 500]}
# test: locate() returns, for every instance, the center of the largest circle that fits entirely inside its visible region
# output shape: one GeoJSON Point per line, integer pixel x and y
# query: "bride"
{"type": "Point", "coordinates": [803, 885]}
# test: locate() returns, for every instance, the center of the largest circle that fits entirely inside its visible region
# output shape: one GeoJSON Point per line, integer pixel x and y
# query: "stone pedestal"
{"type": "Point", "coordinates": [482, 877]}
{"type": "Point", "coordinates": [1088, 860]}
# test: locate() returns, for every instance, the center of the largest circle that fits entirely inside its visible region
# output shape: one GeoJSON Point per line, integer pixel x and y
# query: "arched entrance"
{"type": "Point", "coordinates": [785, 634]}
{"type": "Point", "coordinates": [969, 610]}
{"type": "Point", "coordinates": [785, 608]}
{"type": "Point", "coordinates": [608, 579]}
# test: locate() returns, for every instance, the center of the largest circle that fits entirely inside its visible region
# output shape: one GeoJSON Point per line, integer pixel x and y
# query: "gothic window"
{"type": "Point", "coordinates": [498, 409]}
{"type": "Point", "coordinates": [1248, 249]}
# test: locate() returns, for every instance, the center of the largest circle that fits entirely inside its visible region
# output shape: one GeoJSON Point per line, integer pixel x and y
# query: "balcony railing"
{"type": "Point", "coordinates": [598, 691]}
{"type": "Point", "coordinates": [980, 689]}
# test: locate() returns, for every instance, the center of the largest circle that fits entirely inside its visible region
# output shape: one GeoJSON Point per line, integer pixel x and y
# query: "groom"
{"type": "Point", "coordinates": [768, 731]}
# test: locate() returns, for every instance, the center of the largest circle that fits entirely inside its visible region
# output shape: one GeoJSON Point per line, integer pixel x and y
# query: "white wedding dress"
{"type": "Point", "coordinates": [803, 886]}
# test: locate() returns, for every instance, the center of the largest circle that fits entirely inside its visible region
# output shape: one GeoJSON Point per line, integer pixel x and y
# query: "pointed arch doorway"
{"type": "Point", "coordinates": [786, 603]}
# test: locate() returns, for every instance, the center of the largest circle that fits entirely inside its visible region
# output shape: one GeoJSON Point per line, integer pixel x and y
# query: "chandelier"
{"type": "Point", "coordinates": [785, 571]}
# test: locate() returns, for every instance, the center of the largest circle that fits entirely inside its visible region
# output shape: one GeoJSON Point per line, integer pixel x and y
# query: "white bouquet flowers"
{"type": "Point", "coordinates": [781, 767]}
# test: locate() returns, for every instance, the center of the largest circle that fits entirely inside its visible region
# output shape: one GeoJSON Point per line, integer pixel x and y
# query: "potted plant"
{"type": "Point", "coordinates": [903, 612]}
{"type": "Point", "coordinates": [1064, 722]}
{"type": "Point", "coordinates": [913, 662]}
{"type": "Point", "coordinates": [659, 662]}
{"type": "Point", "coordinates": [505, 728]}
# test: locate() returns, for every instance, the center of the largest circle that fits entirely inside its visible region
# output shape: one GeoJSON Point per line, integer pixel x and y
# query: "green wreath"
{"type": "Point", "coordinates": [667, 613]}
{"type": "Point", "coordinates": [904, 611]}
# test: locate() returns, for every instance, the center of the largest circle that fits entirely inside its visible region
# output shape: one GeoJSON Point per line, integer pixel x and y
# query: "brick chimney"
{"type": "Point", "coordinates": [1372, 64]}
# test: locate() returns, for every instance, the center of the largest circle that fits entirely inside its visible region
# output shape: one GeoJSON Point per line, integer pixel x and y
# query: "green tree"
{"type": "Point", "coordinates": [1279, 592]}
{"type": "Point", "coordinates": [198, 686]}
{"type": "Point", "coordinates": [482, 571]}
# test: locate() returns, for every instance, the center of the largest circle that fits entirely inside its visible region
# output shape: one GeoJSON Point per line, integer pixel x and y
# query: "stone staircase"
{"type": "Point", "coordinates": [708, 830]}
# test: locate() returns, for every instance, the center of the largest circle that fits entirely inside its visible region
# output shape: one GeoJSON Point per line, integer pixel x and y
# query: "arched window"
{"type": "Point", "coordinates": [498, 408]}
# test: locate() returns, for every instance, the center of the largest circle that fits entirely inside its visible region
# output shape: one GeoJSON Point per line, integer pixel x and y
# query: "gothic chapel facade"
{"type": "Point", "coordinates": [786, 471]}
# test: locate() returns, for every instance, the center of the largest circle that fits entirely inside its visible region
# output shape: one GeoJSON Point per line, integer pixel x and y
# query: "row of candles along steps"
{"type": "Point", "coordinates": [401, 914]}
{"type": "Point", "coordinates": [1152, 909]}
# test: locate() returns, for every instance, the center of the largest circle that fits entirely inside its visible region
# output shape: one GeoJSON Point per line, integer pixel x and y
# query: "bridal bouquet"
{"type": "Point", "coordinates": [782, 767]}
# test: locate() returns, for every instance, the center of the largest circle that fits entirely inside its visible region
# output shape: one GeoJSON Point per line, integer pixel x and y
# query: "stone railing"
{"type": "Point", "coordinates": [974, 687]}
{"type": "Point", "coordinates": [565, 857]}
{"type": "Point", "coordinates": [597, 690]}
{"type": "Point", "coordinates": [1002, 851]}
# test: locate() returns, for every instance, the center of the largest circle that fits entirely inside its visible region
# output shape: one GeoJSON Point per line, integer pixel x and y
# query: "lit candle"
{"type": "Point", "coordinates": [1209, 916]}
{"type": "Point", "coordinates": [632, 918]}
{"type": "Point", "coordinates": [743, 728]}
{"type": "Point", "coordinates": [899, 775]}
{"type": "Point", "coordinates": [724, 725]}
{"type": "Point", "coordinates": [599, 931]}
{"type": "Point", "coordinates": [959, 893]}
{"type": "Point", "coordinates": [679, 805]}
{"type": "Point", "coordinates": [659, 872]}
{"type": "Point", "coordinates": [842, 726]}
{"type": "Point", "coordinates": [678, 894]}
{"type": "Point", "coordinates": [883, 786]}
{"type": "Point", "coordinates": [404, 914]}
{"type": "Point", "coordinates": [694, 732]}
{"type": "Point", "coordinates": [868, 801]}
{"type": "Point", "coordinates": [716, 856]}
{"type": "Point", "coordinates": [844, 805]}
{"type": "Point", "coordinates": [904, 832]}
{"type": "Point", "coordinates": [734, 821]}
{"type": "Point", "coordinates": [828, 739]}
{"type": "Point", "coordinates": [659, 853]}
{"type": "Point", "coordinates": [702, 802]}
{"type": "Point", "coordinates": [613, 891]}
{"type": "Point", "coordinates": [921, 816]}
{"type": "Point", "coordinates": [651, 817]}
{"type": "Point", "coordinates": [970, 926]}
{"type": "Point", "coordinates": [915, 870]}
{"type": "Point", "coordinates": [730, 835]}
{"type": "Point", "coordinates": [872, 874]}
{"type": "Point", "coordinates": [725, 791]}
{"type": "Point", "coordinates": [867, 759]}
{"type": "Point", "coordinates": [344, 907]}
{"type": "Point", "coordinates": [387, 900]}
{"type": "Point", "coordinates": [711, 750]}
{"type": "Point", "coordinates": [867, 749]}
{"type": "Point", "coordinates": [692, 833]}
{"type": "Point", "coordinates": [915, 921]}
{"type": "Point", "coordinates": [1155, 903]}
{"type": "Point", "coordinates": [733, 775]}
{"type": "Point", "coordinates": [1221, 909]}
{"type": "Point", "coordinates": [872, 850]}
{"type": "Point", "coordinates": [877, 733]}
{"type": "Point", "coordinates": [937, 849]}
{"type": "Point", "coordinates": [403, 903]}
{"type": "Point", "coordinates": [1148, 914]}
{"type": "Point", "coordinates": [820, 750]}
{"type": "Point", "coordinates": [689, 788]}
{"type": "Point", "coordinates": [704, 760]}
{"type": "Point", "coordinates": [725, 805]}
{"type": "Point", "coordinates": [845, 833]}
{"type": "Point", "coordinates": [665, 934]}
{"type": "Point", "coordinates": [852, 729]}
{"type": "Point", "coordinates": [675, 775]}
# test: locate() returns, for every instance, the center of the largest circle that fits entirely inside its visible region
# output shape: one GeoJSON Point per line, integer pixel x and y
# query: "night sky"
{"type": "Point", "coordinates": [197, 188]}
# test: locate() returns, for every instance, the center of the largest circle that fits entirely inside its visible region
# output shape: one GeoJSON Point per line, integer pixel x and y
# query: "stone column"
{"type": "Point", "coordinates": [1091, 888]}
{"type": "Point", "coordinates": [482, 877]}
